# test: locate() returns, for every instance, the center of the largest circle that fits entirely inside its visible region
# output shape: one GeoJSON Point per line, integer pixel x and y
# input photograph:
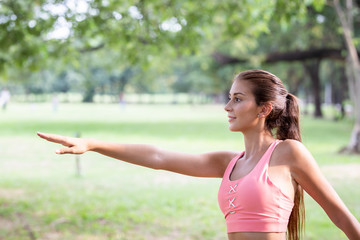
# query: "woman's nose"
{"type": "Point", "coordinates": [227, 107]}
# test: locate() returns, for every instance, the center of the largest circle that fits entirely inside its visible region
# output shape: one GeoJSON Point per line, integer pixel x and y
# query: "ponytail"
{"type": "Point", "coordinates": [289, 128]}
{"type": "Point", "coordinates": [297, 218]}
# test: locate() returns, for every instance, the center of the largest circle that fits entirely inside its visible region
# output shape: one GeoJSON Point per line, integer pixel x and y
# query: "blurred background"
{"type": "Point", "coordinates": [159, 72]}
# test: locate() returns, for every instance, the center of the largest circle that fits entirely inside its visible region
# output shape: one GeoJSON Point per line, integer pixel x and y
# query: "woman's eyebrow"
{"type": "Point", "coordinates": [237, 93]}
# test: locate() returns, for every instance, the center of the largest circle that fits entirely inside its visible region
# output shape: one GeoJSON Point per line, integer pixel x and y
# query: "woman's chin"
{"type": "Point", "coordinates": [232, 129]}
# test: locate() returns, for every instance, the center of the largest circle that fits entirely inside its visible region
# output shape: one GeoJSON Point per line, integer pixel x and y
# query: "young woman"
{"type": "Point", "coordinates": [261, 194]}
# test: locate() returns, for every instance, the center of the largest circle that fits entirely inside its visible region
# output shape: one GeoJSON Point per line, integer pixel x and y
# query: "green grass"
{"type": "Point", "coordinates": [42, 198]}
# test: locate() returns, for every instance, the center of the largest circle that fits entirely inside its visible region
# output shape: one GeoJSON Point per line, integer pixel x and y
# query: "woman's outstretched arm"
{"type": "Point", "coordinates": [306, 172]}
{"type": "Point", "coordinates": [211, 164]}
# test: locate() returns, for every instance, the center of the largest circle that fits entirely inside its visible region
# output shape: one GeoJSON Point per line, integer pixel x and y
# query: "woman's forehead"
{"type": "Point", "coordinates": [241, 87]}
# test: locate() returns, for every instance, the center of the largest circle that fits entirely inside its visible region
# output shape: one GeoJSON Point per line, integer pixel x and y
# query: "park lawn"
{"type": "Point", "coordinates": [41, 197]}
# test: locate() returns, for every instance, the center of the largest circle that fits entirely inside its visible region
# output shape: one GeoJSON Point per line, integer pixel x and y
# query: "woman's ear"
{"type": "Point", "coordinates": [265, 110]}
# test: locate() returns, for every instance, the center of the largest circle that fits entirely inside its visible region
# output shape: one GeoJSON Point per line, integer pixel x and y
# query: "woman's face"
{"type": "Point", "coordinates": [242, 109]}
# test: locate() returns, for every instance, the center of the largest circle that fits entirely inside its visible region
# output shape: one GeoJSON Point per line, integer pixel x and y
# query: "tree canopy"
{"type": "Point", "coordinates": [33, 31]}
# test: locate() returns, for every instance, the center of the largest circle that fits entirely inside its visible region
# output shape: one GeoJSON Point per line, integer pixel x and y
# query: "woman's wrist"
{"type": "Point", "coordinates": [92, 144]}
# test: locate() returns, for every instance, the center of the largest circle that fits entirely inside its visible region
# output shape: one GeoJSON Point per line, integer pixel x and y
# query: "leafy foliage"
{"type": "Point", "coordinates": [33, 31]}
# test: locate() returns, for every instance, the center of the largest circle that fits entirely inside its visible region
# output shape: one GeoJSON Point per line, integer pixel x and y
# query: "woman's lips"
{"type": "Point", "coordinates": [231, 118]}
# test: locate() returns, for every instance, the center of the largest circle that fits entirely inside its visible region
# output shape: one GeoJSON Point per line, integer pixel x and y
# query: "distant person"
{"type": "Point", "coordinates": [261, 194]}
{"type": "Point", "coordinates": [55, 102]}
{"type": "Point", "coordinates": [122, 101]}
{"type": "Point", "coordinates": [4, 98]}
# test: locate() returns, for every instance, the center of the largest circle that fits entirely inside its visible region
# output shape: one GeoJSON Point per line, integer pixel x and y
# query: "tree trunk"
{"type": "Point", "coordinates": [353, 71]}
{"type": "Point", "coordinates": [294, 80]}
{"type": "Point", "coordinates": [312, 69]}
{"type": "Point", "coordinates": [354, 146]}
{"type": "Point", "coordinates": [338, 96]}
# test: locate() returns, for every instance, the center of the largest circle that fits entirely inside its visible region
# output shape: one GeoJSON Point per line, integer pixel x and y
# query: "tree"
{"type": "Point", "coordinates": [308, 39]}
{"type": "Point", "coordinates": [23, 28]}
{"type": "Point", "coordinates": [346, 18]}
{"type": "Point", "coordinates": [62, 83]}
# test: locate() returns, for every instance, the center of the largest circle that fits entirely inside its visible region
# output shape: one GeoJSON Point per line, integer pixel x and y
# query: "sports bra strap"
{"type": "Point", "coordinates": [265, 159]}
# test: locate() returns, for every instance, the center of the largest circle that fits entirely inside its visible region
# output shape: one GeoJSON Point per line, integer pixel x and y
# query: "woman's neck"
{"type": "Point", "coordinates": [255, 143]}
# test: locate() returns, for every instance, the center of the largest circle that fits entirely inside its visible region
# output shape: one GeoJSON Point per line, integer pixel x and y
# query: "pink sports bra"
{"type": "Point", "coordinates": [253, 203]}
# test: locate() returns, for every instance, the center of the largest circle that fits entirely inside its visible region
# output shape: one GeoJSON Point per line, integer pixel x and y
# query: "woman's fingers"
{"type": "Point", "coordinates": [55, 138]}
{"type": "Point", "coordinates": [49, 137]}
{"type": "Point", "coordinates": [65, 151]}
{"type": "Point", "coordinates": [74, 145]}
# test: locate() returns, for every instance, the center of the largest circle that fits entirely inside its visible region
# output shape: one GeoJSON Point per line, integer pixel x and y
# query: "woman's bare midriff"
{"type": "Point", "coordinates": [256, 236]}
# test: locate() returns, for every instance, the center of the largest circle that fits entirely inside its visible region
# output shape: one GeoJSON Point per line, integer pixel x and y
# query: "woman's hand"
{"type": "Point", "coordinates": [73, 145]}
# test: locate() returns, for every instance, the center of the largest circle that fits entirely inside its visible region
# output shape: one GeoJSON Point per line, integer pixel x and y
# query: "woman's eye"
{"type": "Point", "coordinates": [234, 99]}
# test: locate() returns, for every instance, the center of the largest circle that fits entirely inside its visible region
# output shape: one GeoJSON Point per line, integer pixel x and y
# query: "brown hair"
{"type": "Point", "coordinates": [283, 121]}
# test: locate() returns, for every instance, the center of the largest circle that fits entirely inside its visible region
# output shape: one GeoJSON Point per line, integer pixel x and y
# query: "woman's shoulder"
{"type": "Point", "coordinates": [289, 151]}
{"type": "Point", "coordinates": [220, 159]}
{"type": "Point", "coordinates": [290, 145]}
{"type": "Point", "coordinates": [228, 156]}
{"type": "Point", "coordinates": [223, 156]}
